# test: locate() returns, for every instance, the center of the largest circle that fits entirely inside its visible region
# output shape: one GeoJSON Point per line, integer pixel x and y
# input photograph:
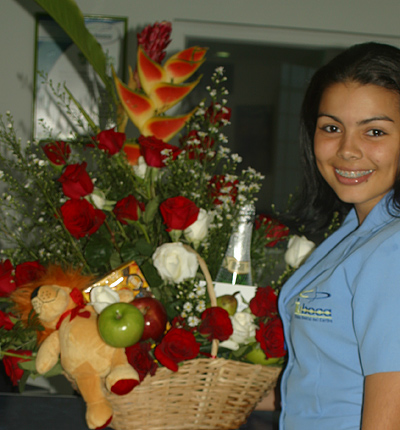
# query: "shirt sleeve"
{"type": "Point", "coordinates": [376, 306]}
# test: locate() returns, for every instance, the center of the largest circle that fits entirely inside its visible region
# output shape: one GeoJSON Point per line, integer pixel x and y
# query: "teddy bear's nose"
{"type": "Point", "coordinates": [44, 293]}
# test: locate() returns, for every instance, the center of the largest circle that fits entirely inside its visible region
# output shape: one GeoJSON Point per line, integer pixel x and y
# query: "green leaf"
{"type": "Point", "coordinates": [70, 18]}
{"type": "Point", "coordinates": [144, 247]}
{"type": "Point", "coordinates": [115, 260]}
{"type": "Point", "coordinates": [151, 210]}
{"type": "Point", "coordinates": [129, 252]}
{"type": "Point", "coordinates": [29, 365]}
{"type": "Point", "coordinates": [151, 275]}
{"type": "Point", "coordinates": [98, 251]}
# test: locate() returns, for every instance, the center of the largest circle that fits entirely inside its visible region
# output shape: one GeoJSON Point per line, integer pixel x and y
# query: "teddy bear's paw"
{"type": "Point", "coordinates": [99, 414]}
{"type": "Point", "coordinates": [122, 379]}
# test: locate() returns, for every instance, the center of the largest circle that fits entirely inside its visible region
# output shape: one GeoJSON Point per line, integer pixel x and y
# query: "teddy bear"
{"type": "Point", "coordinates": [71, 334]}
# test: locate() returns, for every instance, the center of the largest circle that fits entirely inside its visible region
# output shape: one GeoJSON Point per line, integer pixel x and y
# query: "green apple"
{"type": "Point", "coordinates": [257, 356]}
{"type": "Point", "coordinates": [121, 325]}
{"type": "Point", "coordinates": [228, 302]}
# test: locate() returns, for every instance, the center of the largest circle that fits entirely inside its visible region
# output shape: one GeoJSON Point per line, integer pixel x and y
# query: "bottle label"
{"type": "Point", "coordinates": [235, 266]}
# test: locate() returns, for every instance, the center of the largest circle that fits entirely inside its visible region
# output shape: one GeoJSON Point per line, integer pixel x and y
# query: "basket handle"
{"type": "Point", "coordinates": [210, 290]}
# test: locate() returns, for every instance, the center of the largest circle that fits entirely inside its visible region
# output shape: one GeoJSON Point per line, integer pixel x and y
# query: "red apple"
{"type": "Point", "coordinates": [155, 317]}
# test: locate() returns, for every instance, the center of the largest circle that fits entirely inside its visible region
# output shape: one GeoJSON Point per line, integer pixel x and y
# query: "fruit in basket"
{"type": "Point", "coordinates": [228, 302]}
{"type": "Point", "coordinates": [121, 325]}
{"type": "Point", "coordinates": [155, 317]}
{"type": "Point", "coordinates": [257, 356]}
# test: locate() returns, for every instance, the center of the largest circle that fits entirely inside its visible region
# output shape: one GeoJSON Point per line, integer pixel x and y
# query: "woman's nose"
{"type": "Point", "coordinates": [349, 147]}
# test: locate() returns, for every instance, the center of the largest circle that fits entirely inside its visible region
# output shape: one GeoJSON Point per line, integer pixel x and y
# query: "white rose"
{"type": "Point", "coordinates": [98, 199]}
{"type": "Point", "coordinates": [140, 168]}
{"type": "Point", "coordinates": [244, 330]}
{"type": "Point", "coordinates": [101, 297]}
{"type": "Point", "coordinates": [199, 229]}
{"type": "Point", "coordinates": [174, 263]}
{"type": "Point", "coordinates": [299, 248]}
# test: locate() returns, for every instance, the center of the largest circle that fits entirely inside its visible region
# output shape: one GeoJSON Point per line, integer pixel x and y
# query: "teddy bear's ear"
{"type": "Point", "coordinates": [35, 292]}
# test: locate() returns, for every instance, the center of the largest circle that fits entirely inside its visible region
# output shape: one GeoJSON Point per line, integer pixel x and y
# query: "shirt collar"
{"type": "Point", "coordinates": [379, 216]}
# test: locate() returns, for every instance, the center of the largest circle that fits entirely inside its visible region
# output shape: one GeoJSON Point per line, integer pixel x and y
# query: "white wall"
{"type": "Point", "coordinates": [315, 22]}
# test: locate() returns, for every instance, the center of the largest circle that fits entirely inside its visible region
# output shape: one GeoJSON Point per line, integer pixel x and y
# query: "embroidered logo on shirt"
{"type": "Point", "coordinates": [306, 309]}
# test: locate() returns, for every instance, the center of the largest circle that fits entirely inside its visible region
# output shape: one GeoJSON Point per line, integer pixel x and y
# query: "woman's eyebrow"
{"type": "Point", "coordinates": [362, 122]}
{"type": "Point", "coordinates": [375, 118]}
{"type": "Point", "coordinates": [335, 118]}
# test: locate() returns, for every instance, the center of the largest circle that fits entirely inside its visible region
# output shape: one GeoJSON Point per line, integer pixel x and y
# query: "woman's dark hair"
{"type": "Point", "coordinates": [367, 63]}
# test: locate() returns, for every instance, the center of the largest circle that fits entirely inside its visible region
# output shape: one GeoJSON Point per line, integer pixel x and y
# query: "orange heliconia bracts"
{"type": "Point", "coordinates": [162, 87]}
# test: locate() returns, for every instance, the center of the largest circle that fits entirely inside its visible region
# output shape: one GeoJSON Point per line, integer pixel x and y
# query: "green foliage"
{"type": "Point", "coordinates": [68, 15]}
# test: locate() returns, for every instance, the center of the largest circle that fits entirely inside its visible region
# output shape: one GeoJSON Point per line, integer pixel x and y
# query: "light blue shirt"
{"type": "Point", "coordinates": [341, 316]}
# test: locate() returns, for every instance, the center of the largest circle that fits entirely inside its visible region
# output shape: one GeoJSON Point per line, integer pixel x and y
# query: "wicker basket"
{"type": "Point", "coordinates": [205, 394]}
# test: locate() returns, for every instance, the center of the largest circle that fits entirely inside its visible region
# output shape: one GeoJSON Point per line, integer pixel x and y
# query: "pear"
{"type": "Point", "coordinates": [228, 302]}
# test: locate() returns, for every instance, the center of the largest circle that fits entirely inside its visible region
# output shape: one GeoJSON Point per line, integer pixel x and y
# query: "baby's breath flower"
{"type": "Point", "coordinates": [188, 307]}
{"type": "Point", "coordinates": [193, 321]}
{"type": "Point", "coordinates": [201, 306]}
{"type": "Point", "coordinates": [200, 290]}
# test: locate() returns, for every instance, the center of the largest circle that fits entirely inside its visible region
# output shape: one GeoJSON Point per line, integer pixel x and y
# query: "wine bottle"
{"type": "Point", "coordinates": [236, 265]}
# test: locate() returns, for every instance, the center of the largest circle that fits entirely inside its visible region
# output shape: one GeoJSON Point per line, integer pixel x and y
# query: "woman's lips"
{"type": "Point", "coordinates": [352, 177]}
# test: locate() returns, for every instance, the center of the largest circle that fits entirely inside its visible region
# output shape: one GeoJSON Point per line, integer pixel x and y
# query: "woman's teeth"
{"type": "Point", "coordinates": [353, 173]}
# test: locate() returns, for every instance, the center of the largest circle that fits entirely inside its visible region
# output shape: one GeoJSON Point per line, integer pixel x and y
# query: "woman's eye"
{"type": "Point", "coordinates": [375, 132]}
{"type": "Point", "coordinates": [331, 129]}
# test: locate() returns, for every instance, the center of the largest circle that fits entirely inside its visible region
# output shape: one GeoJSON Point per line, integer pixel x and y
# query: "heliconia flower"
{"type": "Point", "coordinates": [153, 89]}
{"type": "Point", "coordinates": [150, 72]}
{"type": "Point", "coordinates": [154, 39]}
{"type": "Point", "coordinates": [184, 64]}
{"type": "Point", "coordinates": [165, 127]}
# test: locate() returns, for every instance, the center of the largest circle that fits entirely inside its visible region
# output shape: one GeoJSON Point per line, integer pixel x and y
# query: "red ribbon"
{"type": "Point", "coordinates": [77, 297]}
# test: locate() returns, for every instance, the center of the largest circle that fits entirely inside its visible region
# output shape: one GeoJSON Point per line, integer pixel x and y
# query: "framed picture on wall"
{"type": "Point", "coordinates": [59, 62]}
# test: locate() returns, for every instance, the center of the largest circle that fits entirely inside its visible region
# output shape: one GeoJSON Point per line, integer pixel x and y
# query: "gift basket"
{"type": "Point", "coordinates": [115, 250]}
{"type": "Point", "coordinates": [206, 393]}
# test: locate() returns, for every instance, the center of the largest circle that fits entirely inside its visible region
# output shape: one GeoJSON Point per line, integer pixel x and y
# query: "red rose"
{"type": "Point", "coordinates": [7, 284]}
{"type": "Point", "coordinates": [216, 324]}
{"type": "Point", "coordinates": [177, 345]}
{"type": "Point", "coordinates": [139, 358]}
{"type": "Point", "coordinates": [128, 208]}
{"type": "Point", "coordinates": [179, 213]}
{"type": "Point", "coordinates": [217, 114]}
{"type": "Point", "coordinates": [223, 190]}
{"type": "Point", "coordinates": [111, 141]}
{"type": "Point", "coordinates": [57, 152]}
{"type": "Point", "coordinates": [11, 367]}
{"type": "Point", "coordinates": [27, 272]}
{"type": "Point", "coordinates": [273, 229]}
{"type": "Point", "coordinates": [76, 182]}
{"type": "Point", "coordinates": [81, 218]}
{"type": "Point", "coordinates": [151, 148]}
{"type": "Point", "coordinates": [264, 303]}
{"type": "Point", "coordinates": [5, 321]}
{"type": "Point", "coordinates": [270, 338]}
{"type": "Point", "coordinates": [154, 39]}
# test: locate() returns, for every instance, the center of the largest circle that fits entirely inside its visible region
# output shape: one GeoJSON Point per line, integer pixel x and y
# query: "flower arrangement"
{"type": "Point", "coordinates": [100, 200]}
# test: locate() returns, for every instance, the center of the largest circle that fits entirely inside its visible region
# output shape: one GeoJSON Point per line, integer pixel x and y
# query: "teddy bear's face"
{"type": "Point", "coordinates": [50, 301]}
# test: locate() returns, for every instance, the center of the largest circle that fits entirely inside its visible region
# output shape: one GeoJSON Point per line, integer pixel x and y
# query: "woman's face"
{"type": "Point", "coordinates": [357, 142]}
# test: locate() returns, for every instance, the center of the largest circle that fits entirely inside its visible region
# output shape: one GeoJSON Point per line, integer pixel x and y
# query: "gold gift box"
{"type": "Point", "coordinates": [127, 275]}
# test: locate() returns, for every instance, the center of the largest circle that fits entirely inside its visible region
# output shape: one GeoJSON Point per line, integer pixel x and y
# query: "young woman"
{"type": "Point", "coordinates": [341, 309]}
